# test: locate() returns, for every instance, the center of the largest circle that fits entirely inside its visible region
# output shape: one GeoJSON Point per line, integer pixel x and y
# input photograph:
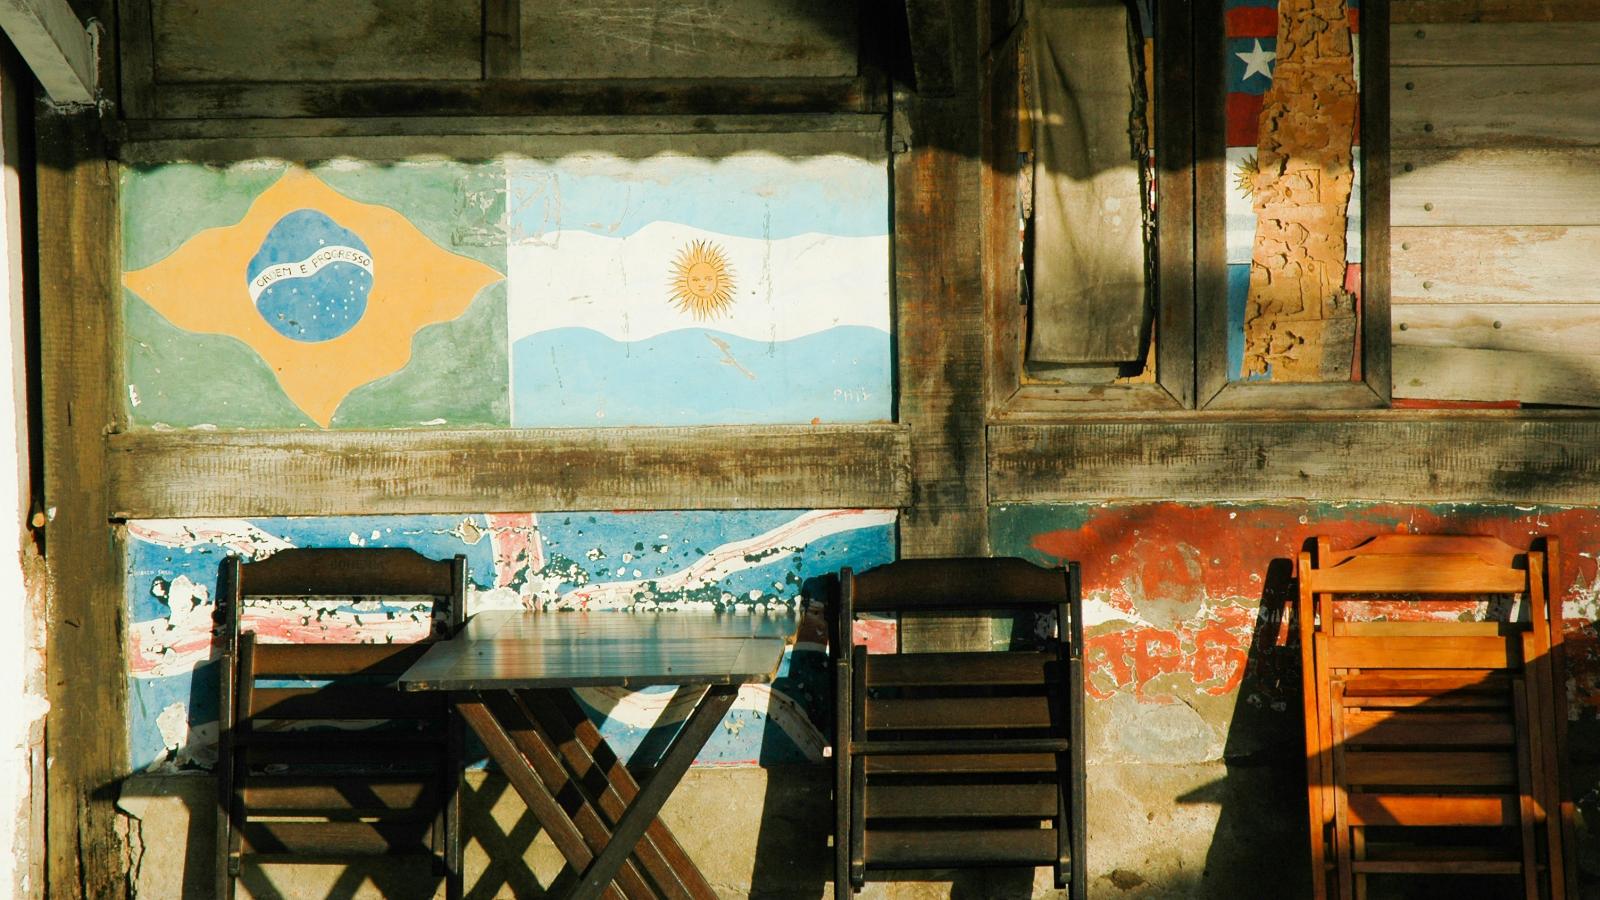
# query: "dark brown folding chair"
{"type": "Point", "coordinates": [321, 759]}
{"type": "Point", "coordinates": [947, 760]}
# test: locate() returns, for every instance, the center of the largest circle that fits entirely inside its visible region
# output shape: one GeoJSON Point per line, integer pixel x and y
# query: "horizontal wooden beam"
{"type": "Point", "coordinates": [156, 142]}
{"type": "Point", "coordinates": [201, 474]}
{"type": "Point", "coordinates": [661, 96]}
{"type": "Point", "coordinates": [1421, 457]}
{"type": "Point", "coordinates": [55, 44]}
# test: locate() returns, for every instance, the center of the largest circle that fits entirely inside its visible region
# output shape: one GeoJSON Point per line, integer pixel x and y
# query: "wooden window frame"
{"type": "Point", "coordinates": [1191, 290]}
{"type": "Point", "coordinates": [1216, 389]}
{"type": "Point", "coordinates": [1012, 395]}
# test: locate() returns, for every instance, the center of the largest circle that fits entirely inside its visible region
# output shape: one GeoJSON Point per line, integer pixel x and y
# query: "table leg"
{"type": "Point", "coordinates": [536, 747]}
{"type": "Point", "coordinates": [563, 832]}
{"type": "Point", "coordinates": [709, 709]}
{"type": "Point", "coordinates": [586, 754]}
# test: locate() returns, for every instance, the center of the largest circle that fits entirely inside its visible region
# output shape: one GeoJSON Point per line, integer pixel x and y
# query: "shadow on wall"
{"type": "Point", "coordinates": [1262, 798]}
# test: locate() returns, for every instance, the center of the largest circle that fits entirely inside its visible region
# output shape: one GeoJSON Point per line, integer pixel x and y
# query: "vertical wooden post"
{"type": "Point", "coordinates": [86, 730]}
{"type": "Point", "coordinates": [938, 266]}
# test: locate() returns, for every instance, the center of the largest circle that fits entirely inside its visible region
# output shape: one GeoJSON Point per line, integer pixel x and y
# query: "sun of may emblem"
{"type": "Point", "coordinates": [702, 281]}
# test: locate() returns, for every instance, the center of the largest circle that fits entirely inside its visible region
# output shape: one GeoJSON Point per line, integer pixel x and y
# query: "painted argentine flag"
{"type": "Point", "coordinates": [751, 289]}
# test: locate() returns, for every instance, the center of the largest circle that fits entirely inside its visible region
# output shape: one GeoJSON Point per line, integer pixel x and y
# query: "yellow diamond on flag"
{"type": "Point", "coordinates": [329, 291]}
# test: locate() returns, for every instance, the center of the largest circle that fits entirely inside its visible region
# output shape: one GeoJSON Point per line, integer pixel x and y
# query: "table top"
{"type": "Point", "coordinates": [503, 649]}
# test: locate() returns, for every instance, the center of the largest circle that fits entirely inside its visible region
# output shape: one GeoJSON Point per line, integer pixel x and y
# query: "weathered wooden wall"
{"type": "Point", "coordinates": [1496, 202]}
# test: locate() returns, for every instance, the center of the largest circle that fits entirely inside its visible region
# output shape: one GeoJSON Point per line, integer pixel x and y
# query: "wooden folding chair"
{"type": "Point", "coordinates": [946, 760]}
{"type": "Point", "coordinates": [1417, 729]}
{"type": "Point", "coordinates": [320, 757]}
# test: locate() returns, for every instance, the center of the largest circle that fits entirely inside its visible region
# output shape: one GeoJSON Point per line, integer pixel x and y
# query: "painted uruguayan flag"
{"type": "Point", "coordinates": [1242, 216]}
{"type": "Point", "coordinates": [687, 291]}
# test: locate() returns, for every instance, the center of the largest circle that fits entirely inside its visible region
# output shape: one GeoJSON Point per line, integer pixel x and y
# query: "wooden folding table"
{"type": "Point", "coordinates": [511, 674]}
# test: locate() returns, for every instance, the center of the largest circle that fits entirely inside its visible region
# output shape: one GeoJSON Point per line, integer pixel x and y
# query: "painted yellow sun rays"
{"type": "Point", "coordinates": [702, 281]}
{"type": "Point", "coordinates": [203, 287]}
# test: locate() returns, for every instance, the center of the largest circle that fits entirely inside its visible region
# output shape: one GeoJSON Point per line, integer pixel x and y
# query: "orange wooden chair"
{"type": "Point", "coordinates": [1432, 746]}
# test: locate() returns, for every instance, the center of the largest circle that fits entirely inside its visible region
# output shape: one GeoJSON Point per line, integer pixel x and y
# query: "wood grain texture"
{"type": "Point", "coordinates": [502, 39]}
{"type": "Point", "coordinates": [1484, 264]}
{"type": "Point", "coordinates": [77, 284]}
{"type": "Point", "coordinates": [1496, 187]}
{"type": "Point", "coordinates": [672, 39]}
{"type": "Point", "coordinates": [1378, 456]}
{"type": "Point", "coordinates": [136, 58]}
{"type": "Point", "coordinates": [500, 134]}
{"type": "Point", "coordinates": [1535, 329]}
{"type": "Point", "coordinates": [930, 24]}
{"type": "Point", "coordinates": [303, 40]}
{"type": "Point", "coordinates": [1496, 44]}
{"type": "Point", "coordinates": [1012, 393]}
{"type": "Point", "coordinates": [1412, 11]}
{"type": "Point", "coordinates": [941, 328]}
{"type": "Point", "coordinates": [1494, 106]}
{"type": "Point", "coordinates": [710, 96]}
{"type": "Point", "coordinates": [57, 46]}
{"type": "Point", "coordinates": [1472, 373]}
{"type": "Point", "coordinates": [162, 474]}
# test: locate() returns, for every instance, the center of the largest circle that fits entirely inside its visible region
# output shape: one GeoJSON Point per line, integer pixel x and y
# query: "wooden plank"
{"type": "Point", "coordinates": [1376, 203]}
{"type": "Point", "coordinates": [1494, 106]}
{"type": "Point", "coordinates": [309, 660]}
{"type": "Point", "coordinates": [196, 138]}
{"type": "Point", "coordinates": [930, 24]}
{"type": "Point", "coordinates": [1496, 44]}
{"type": "Point", "coordinates": [299, 40]}
{"type": "Point", "coordinates": [1431, 769]}
{"type": "Point", "coordinates": [1406, 728]}
{"type": "Point", "coordinates": [670, 39]}
{"type": "Point", "coordinates": [77, 231]}
{"type": "Point", "coordinates": [136, 55]}
{"type": "Point", "coordinates": [165, 474]}
{"type": "Point", "coordinates": [999, 846]}
{"type": "Point", "coordinates": [902, 669]}
{"type": "Point", "coordinates": [477, 138]}
{"type": "Point", "coordinates": [268, 795]}
{"type": "Point", "coordinates": [1418, 652]}
{"type": "Point", "coordinates": [1465, 373]}
{"type": "Point", "coordinates": [941, 329]}
{"type": "Point", "coordinates": [55, 45]}
{"type": "Point", "coordinates": [1438, 681]}
{"type": "Point", "coordinates": [1533, 330]}
{"type": "Point", "coordinates": [314, 839]}
{"type": "Point", "coordinates": [1417, 809]}
{"type": "Point", "coordinates": [1390, 455]}
{"type": "Point", "coordinates": [961, 764]}
{"type": "Point", "coordinates": [502, 39]}
{"type": "Point", "coordinates": [518, 98]}
{"type": "Point", "coordinates": [958, 713]}
{"type": "Point", "coordinates": [1453, 574]}
{"type": "Point", "coordinates": [1496, 11]}
{"type": "Point", "coordinates": [1422, 629]}
{"type": "Point", "coordinates": [1495, 265]}
{"type": "Point", "coordinates": [1552, 186]}
{"type": "Point", "coordinates": [924, 801]}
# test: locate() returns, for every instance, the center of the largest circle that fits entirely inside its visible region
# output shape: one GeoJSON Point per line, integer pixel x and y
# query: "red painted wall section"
{"type": "Point", "coordinates": [1184, 599]}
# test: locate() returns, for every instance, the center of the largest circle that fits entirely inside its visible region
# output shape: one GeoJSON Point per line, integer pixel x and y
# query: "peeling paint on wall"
{"type": "Point", "coordinates": [755, 562]}
{"type": "Point", "coordinates": [1184, 601]}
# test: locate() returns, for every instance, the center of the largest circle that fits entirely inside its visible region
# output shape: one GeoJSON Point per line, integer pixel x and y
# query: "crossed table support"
{"type": "Point", "coordinates": [510, 676]}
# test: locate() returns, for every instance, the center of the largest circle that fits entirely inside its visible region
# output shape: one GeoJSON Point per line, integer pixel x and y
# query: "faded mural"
{"type": "Point", "coordinates": [589, 290]}
{"type": "Point", "coordinates": [761, 563]}
{"type": "Point", "coordinates": [1294, 189]}
{"type": "Point", "coordinates": [1185, 601]}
